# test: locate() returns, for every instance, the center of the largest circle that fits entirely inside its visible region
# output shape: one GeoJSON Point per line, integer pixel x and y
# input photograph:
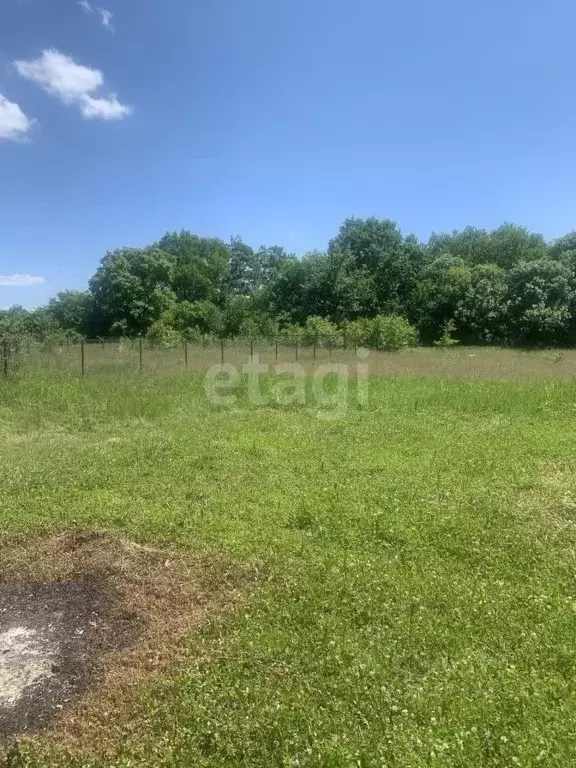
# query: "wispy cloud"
{"type": "Point", "coordinates": [20, 281]}
{"type": "Point", "coordinates": [73, 83]}
{"type": "Point", "coordinates": [14, 124]}
{"type": "Point", "coordinates": [106, 16]}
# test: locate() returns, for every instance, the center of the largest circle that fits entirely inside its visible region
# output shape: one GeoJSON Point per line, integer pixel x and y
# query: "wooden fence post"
{"type": "Point", "coordinates": [251, 350]}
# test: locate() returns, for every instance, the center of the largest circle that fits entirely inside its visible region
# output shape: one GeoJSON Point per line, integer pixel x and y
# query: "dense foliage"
{"type": "Point", "coordinates": [372, 286]}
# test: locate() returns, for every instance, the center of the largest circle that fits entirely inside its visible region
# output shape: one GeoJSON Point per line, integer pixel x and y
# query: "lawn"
{"type": "Point", "coordinates": [414, 597]}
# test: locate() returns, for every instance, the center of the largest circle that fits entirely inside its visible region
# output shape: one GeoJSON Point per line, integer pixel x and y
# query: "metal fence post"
{"type": "Point", "coordinates": [82, 357]}
{"type": "Point", "coordinates": [140, 351]}
{"type": "Point", "coordinates": [186, 353]}
{"type": "Point", "coordinates": [251, 350]}
{"type": "Point", "coordinates": [276, 358]}
{"type": "Point", "coordinates": [296, 350]}
{"type": "Point", "coordinates": [222, 351]}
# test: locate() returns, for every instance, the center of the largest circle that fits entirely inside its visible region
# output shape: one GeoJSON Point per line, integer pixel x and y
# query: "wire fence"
{"type": "Point", "coordinates": [138, 356]}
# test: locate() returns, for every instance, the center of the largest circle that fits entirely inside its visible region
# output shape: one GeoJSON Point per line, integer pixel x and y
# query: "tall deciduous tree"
{"type": "Point", "coordinates": [378, 249]}
{"type": "Point", "coordinates": [201, 269]}
{"type": "Point", "coordinates": [245, 268]}
{"type": "Point", "coordinates": [482, 311]}
{"type": "Point", "coordinates": [131, 289]}
{"type": "Point", "coordinates": [437, 296]}
{"type": "Point", "coordinates": [73, 310]}
{"type": "Point", "coordinates": [505, 246]}
{"type": "Point", "coordinates": [542, 302]}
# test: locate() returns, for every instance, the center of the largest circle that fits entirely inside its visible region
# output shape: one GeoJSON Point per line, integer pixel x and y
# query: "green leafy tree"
{"type": "Point", "coordinates": [17, 323]}
{"type": "Point", "coordinates": [321, 331]}
{"type": "Point", "coordinates": [443, 284]}
{"type": "Point", "coordinates": [505, 246]}
{"type": "Point", "coordinates": [73, 311]}
{"type": "Point", "coordinates": [245, 268]}
{"type": "Point", "coordinates": [563, 244]}
{"type": "Point", "coordinates": [250, 328]}
{"type": "Point", "coordinates": [201, 266]}
{"type": "Point", "coordinates": [271, 262]}
{"type": "Point", "coordinates": [541, 303]}
{"type": "Point", "coordinates": [131, 289]}
{"type": "Point", "coordinates": [292, 333]}
{"type": "Point", "coordinates": [481, 312]}
{"type": "Point", "coordinates": [287, 294]}
{"type": "Point", "coordinates": [387, 263]}
{"type": "Point", "coordinates": [470, 244]}
{"type": "Point", "coordinates": [202, 317]}
{"type": "Point", "coordinates": [354, 333]}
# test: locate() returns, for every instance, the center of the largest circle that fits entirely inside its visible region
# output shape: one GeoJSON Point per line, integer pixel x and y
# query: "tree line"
{"type": "Point", "coordinates": [372, 285]}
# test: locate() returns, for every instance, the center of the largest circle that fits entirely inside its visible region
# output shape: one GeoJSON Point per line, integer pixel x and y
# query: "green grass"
{"type": "Point", "coordinates": [417, 598]}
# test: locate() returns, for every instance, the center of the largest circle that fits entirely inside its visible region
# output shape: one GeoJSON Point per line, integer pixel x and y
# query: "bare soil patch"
{"type": "Point", "coordinates": [85, 618]}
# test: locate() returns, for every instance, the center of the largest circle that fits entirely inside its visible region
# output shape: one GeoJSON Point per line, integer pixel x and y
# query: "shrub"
{"type": "Point", "coordinates": [355, 332]}
{"type": "Point", "coordinates": [390, 332]}
{"type": "Point", "coordinates": [320, 330]}
{"type": "Point", "coordinates": [292, 333]}
{"type": "Point", "coordinates": [447, 340]}
{"type": "Point", "coordinates": [162, 335]}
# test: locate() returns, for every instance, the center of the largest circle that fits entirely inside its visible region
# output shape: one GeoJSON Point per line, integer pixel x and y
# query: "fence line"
{"type": "Point", "coordinates": [134, 352]}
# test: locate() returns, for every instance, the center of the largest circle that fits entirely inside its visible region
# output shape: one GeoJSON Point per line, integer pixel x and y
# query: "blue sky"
{"type": "Point", "coordinates": [275, 120]}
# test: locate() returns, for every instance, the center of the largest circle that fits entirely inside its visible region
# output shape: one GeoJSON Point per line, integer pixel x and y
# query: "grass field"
{"type": "Point", "coordinates": [415, 599]}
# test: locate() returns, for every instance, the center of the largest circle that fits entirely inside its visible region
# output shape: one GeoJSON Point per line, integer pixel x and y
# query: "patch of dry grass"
{"type": "Point", "coordinates": [547, 509]}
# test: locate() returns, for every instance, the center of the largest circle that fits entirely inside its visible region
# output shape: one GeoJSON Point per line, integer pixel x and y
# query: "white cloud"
{"type": "Point", "coordinates": [73, 83]}
{"type": "Point", "coordinates": [14, 124]}
{"type": "Point", "coordinates": [106, 17]}
{"type": "Point", "coordinates": [108, 108]}
{"type": "Point", "coordinates": [60, 75]}
{"type": "Point", "coordinates": [20, 281]}
{"type": "Point", "coordinates": [85, 5]}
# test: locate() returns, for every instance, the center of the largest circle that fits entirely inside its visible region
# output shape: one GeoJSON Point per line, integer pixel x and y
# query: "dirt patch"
{"type": "Point", "coordinates": [85, 618]}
